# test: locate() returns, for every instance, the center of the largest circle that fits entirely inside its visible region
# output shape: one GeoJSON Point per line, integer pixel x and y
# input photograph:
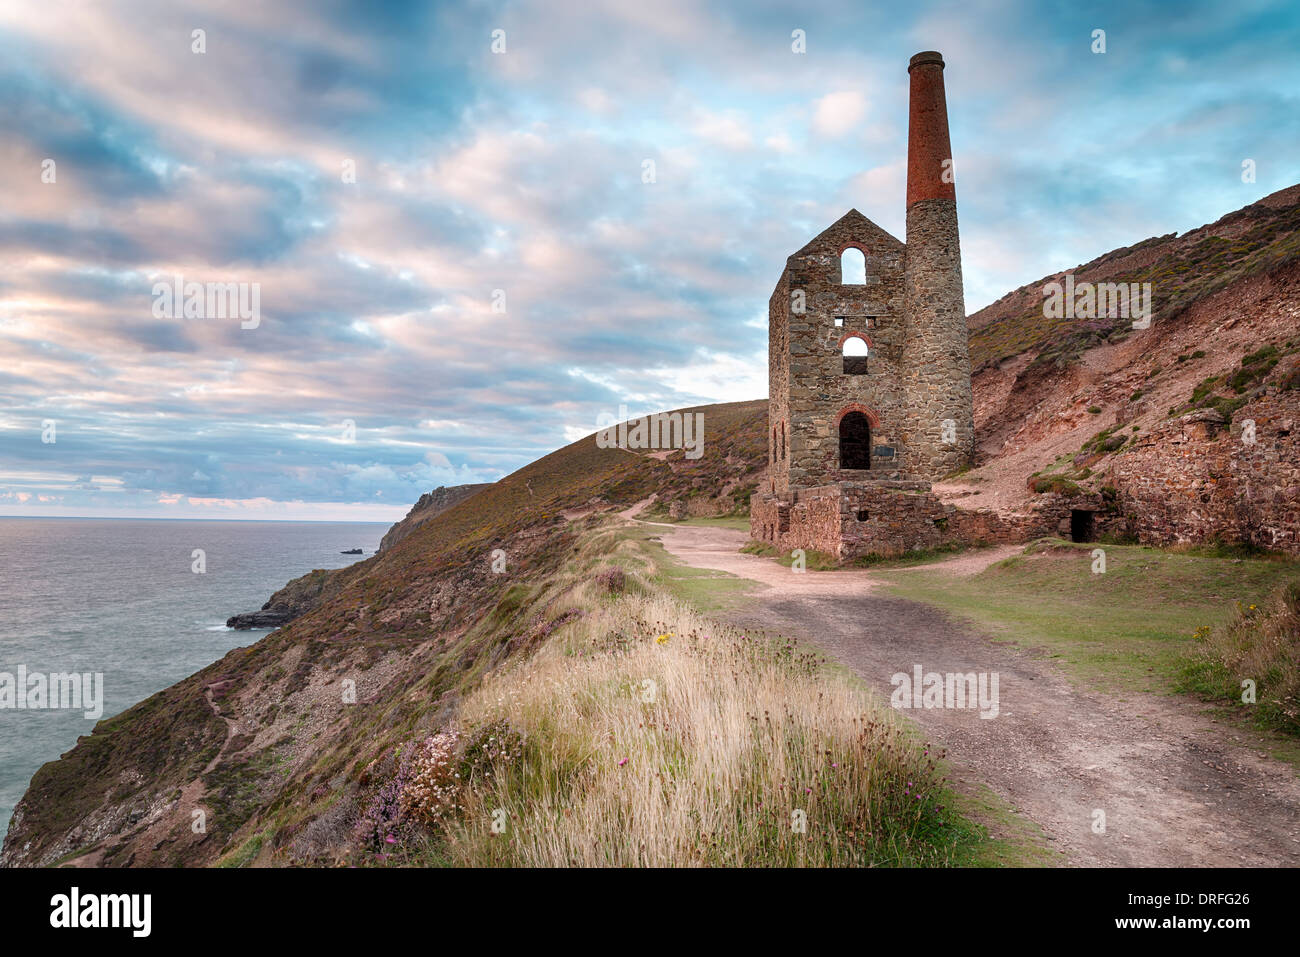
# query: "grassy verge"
{"type": "Point", "coordinates": [1252, 661]}
{"type": "Point", "coordinates": [626, 748]}
{"type": "Point", "coordinates": [739, 523]}
{"type": "Point", "coordinates": [813, 560]}
{"type": "Point", "coordinates": [1128, 628]}
{"type": "Point", "coordinates": [642, 733]}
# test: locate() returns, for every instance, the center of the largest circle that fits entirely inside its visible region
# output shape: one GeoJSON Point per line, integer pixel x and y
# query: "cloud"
{"type": "Point", "coordinates": [523, 173]}
{"type": "Point", "coordinates": [837, 113]}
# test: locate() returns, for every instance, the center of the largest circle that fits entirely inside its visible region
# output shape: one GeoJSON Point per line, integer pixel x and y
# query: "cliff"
{"type": "Point", "coordinates": [273, 744]}
{"type": "Point", "coordinates": [430, 504]}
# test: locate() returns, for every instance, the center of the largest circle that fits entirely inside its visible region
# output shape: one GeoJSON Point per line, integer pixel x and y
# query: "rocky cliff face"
{"type": "Point", "coordinates": [430, 504]}
{"type": "Point", "coordinates": [1098, 406]}
{"type": "Point", "coordinates": [303, 594]}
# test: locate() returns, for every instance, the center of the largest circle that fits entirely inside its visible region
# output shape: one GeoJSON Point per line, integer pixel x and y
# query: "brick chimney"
{"type": "Point", "coordinates": [937, 359]}
{"type": "Point", "coordinates": [928, 148]}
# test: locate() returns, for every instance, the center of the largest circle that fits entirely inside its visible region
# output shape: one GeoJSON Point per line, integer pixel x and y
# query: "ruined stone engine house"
{"type": "Point", "coordinates": [869, 368]}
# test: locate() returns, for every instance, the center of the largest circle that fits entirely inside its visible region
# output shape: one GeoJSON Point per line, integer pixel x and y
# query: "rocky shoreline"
{"type": "Point", "coordinates": [303, 594]}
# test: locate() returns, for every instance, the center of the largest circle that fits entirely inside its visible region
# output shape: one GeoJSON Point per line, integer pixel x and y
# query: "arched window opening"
{"type": "Point", "coordinates": [855, 441]}
{"type": "Point", "coordinates": [853, 267]}
{"type": "Point", "coordinates": [855, 356]}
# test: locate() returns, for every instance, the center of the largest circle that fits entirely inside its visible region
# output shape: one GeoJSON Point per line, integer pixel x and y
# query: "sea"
{"type": "Point", "coordinates": [131, 600]}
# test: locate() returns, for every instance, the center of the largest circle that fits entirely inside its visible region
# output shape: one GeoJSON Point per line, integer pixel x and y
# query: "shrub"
{"type": "Point", "coordinates": [1260, 644]}
{"type": "Point", "coordinates": [612, 579]}
{"type": "Point", "coordinates": [432, 781]}
{"type": "Point", "coordinates": [1053, 483]}
{"type": "Point", "coordinates": [380, 824]}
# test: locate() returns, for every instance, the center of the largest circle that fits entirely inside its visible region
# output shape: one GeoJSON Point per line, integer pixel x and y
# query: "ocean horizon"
{"type": "Point", "coordinates": [128, 599]}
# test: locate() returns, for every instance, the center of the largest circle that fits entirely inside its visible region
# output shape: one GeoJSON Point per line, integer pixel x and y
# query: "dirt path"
{"type": "Point", "coordinates": [1177, 789]}
{"type": "Point", "coordinates": [190, 798]}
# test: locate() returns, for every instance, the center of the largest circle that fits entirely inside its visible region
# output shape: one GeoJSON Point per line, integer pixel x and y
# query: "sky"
{"type": "Point", "coordinates": [460, 256]}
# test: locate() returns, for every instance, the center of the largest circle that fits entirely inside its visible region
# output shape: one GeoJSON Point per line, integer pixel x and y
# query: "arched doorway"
{"type": "Point", "coordinates": [855, 441]}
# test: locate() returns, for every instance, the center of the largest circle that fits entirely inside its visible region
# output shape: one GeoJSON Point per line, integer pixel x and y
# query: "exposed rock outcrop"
{"type": "Point", "coordinates": [430, 504]}
{"type": "Point", "coordinates": [292, 601]}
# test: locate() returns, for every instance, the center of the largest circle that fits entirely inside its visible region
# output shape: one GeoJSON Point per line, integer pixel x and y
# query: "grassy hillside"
{"type": "Point", "coordinates": [642, 733]}
{"type": "Point", "coordinates": [265, 742]}
{"type": "Point", "coordinates": [1181, 269]}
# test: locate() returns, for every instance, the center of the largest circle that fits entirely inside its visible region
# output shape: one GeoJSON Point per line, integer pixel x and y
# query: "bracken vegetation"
{"type": "Point", "coordinates": [1260, 644]}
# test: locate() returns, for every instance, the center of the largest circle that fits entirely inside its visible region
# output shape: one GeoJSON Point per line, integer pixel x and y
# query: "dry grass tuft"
{"type": "Point", "coordinates": [1260, 644]}
{"type": "Point", "coordinates": [645, 735]}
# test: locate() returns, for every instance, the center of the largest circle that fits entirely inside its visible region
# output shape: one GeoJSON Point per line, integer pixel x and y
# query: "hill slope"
{"type": "Point", "coordinates": [1153, 418]}
{"type": "Point", "coordinates": [264, 741]}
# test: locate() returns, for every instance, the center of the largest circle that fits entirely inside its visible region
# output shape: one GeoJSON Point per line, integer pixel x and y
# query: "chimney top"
{"type": "Point", "coordinates": [929, 153]}
{"type": "Point", "coordinates": [928, 56]}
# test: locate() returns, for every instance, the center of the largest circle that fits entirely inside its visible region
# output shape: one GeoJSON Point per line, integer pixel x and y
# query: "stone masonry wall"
{"type": "Point", "coordinates": [848, 520]}
{"type": "Point", "coordinates": [778, 377]}
{"type": "Point", "coordinates": [808, 386]}
{"type": "Point", "coordinates": [1196, 480]}
{"type": "Point", "coordinates": [937, 359]}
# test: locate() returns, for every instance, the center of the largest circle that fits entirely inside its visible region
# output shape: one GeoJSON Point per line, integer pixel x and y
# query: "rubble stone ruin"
{"type": "Point", "coordinates": [869, 368]}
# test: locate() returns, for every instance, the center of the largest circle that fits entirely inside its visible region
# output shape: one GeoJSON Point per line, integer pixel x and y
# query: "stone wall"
{"type": "Point", "coordinates": [1195, 479]}
{"type": "Point", "coordinates": [937, 359]}
{"type": "Point", "coordinates": [850, 519]}
{"type": "Point", "coordinates": [778, 390]}
{"type": "Point", "coordinates": [808, 387]}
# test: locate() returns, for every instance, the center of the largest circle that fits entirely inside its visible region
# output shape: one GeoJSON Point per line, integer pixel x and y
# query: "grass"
{"type": "Point", "coordinates": [244, 855]}
{"type": "Point", "coordinates": [1127, 629]}
{"type": "Point", "coordinates": [643, 733]}
{"type": "Point", "coordinates": [630, 751]}
{"type": "Point", "coordinates": [739, 523]}
{"type": "Point", "coordinates": [813, 560]}
{"type": "Point", "coordinates": [706, 590]}
{"type": "Point", "coordinates": [917, 556]}
{"type": "Point", "coordinates": [1259, 646]}
{"type": "Point", "coordinates": [821, 562]}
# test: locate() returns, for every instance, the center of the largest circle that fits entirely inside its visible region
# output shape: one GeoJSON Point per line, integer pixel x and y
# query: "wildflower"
{"type": "Point", "coordinates": [623, 762]}
{"type": "Point", "coordinates": [663, 639]}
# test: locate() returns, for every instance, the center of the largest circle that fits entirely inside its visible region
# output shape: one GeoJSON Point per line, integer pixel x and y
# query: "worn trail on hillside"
{"type": "Point", "coordinates": [1177, 789]}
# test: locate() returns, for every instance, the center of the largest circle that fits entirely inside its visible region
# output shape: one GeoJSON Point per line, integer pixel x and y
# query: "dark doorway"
{"type": "Point", "coordinates": [1081, 526]}
{"type": "Point", "coordinates": [855, 441]}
